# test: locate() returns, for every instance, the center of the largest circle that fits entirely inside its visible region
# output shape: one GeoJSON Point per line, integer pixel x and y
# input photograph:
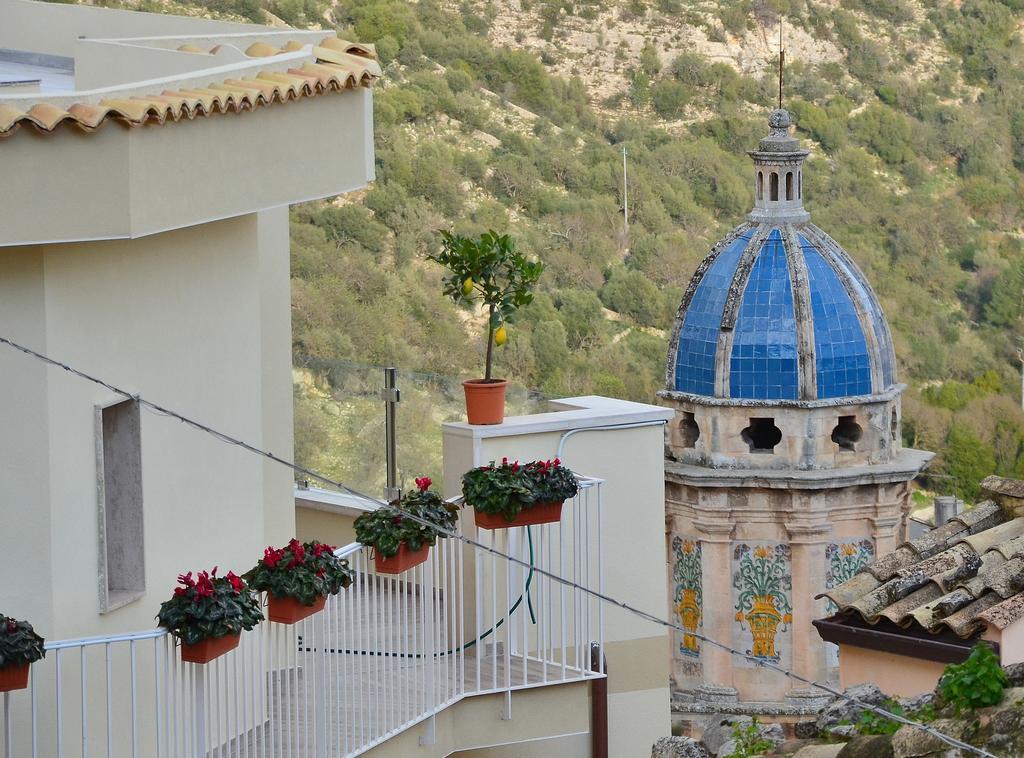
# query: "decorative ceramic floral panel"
{"type": "Point", "coordinates": [762, 586]}
{"type": "Point", "coordinates": [688, 593]}
{"type": "Point", "coordinates": [842, 562]}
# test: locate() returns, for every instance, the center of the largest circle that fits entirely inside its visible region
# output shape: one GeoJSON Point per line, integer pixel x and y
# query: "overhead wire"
{"type": "Point", "coordinates": [640, 613]}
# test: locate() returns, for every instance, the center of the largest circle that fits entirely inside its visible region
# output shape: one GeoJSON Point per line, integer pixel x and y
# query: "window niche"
{"type": "Point", "coordinates": [119, 485]}
{"type": "Point", "coordinates": [688, 430]}
{"type": "Point", "coordinates": [789, 185]}
{"type": "Point", "coordinates": [847, 433]}
{"type": "Point", "coordinates": [762, 435]}
{"type": "Point", "coordinates": [773, 185]}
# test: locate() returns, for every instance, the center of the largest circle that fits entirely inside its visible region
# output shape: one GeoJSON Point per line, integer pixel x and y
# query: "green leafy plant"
{"type": "Point", "coordinates": [387, 528]}
{"type": "Point", "coordinates": [208, 606]}
{"type": "Point", "coordinates": [490, 270]}
{"type": "Point", "coordinates": [19, 642]}
{"type": "Point", "coordinates": [304, 571]}
{"type": "Point", "coordinates": [978, 682]}
{"type": "Point", "coordinates": [874, 723]}
{"type": "Point", "coordinates": [748, 740]}
{"type": "Point", "coordinates": [509, 488]}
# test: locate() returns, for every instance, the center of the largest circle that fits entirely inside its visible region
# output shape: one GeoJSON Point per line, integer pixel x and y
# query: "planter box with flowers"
{"type": "Point", "coordinates": [515, 494]}
{"type": "Point", "coordinates": [208, 613]}
{"type": "Point", "coordinates": [400, 543]}
{"type": "Point", "coordinates": [298, 578]}
{"type": "Point", "coordinates": [20, 647]}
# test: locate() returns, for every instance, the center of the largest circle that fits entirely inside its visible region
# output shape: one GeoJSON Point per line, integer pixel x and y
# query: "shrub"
{"type": "Point", "coordinates": [209, 606]}
{"type": "Point", "coordinates": [508, 489]}
{"type": "Point", "coordinates": [304, 571]}
{"type": "Point", "coordinates": [978, 682]}
{"type": "Point", "coordinates": [386, 528]}
{"type": "Point", "coordinates": [19, 642]}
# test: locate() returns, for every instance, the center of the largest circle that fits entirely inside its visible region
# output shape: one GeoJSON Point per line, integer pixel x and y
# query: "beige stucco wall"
{"type": "Point", "coordinates": [54, 28]}
{"type": "Point", "coordinates": [546, 721]}
{"type": "Point", "coordinates": [120, 182]}
{"type": "Point", "coordinates": [332, 528]}
{"type": "Point", "coordinates": [197, 320]}
{"type": "Point", "coordinates": [896, 675]}
{"type": "Point", "coordinates": [630, 460]}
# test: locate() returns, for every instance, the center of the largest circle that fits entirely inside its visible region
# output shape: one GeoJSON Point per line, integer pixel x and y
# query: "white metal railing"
{"type": "Point", "coordinates": [387, 653]}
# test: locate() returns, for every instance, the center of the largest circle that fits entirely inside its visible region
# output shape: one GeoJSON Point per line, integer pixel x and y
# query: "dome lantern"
{"type": "Point", "coordinates": [778, 173]}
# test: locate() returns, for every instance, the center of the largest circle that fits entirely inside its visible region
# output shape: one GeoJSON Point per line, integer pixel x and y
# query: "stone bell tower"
{"type": "Point", "coordinates": [784, 466]}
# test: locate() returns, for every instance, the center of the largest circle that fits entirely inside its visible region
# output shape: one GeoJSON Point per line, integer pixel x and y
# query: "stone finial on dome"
{"type": "Point", "coordinates": [779, 140]}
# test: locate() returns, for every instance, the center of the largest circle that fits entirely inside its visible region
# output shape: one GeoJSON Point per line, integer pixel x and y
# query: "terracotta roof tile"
{"type": "Point", "coordinates": [339, 65]}
{"type": "Point", "coordinates": [960, 576]}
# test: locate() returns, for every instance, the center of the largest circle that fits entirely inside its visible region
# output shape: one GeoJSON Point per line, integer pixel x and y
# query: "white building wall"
{"type": "Point", "coordinates": [195, 320]}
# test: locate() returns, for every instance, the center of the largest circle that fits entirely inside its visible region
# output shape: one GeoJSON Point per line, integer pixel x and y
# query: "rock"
{"type": "Point", "coordinates": [774, 733]}
{"type": "Point", "coordinates": [679, 747]}
{"type": "Point", "coordinates": [1015, 673]}
{"type": "Point", "coordinates": [726, 749]}
{"type": "Point", "coordinates": [916, 703]}
{"type": "Point", "coordinates": [718, 730]}
{"type": "Point", "coordinates": [841, 709]}
{"type": "Point", "coordinates": [843, 731]}
{"type": "Point", "coordinates": [911, 742]}
{"type": "Point", "coordinates": [806, 730]}
{"type": "Point", "coordinates": [819, 751]}
{"type": "Point", "coordinates": [867, 746]}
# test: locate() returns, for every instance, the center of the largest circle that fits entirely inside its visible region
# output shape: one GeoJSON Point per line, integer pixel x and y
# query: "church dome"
{"type": "Point", "coordinates": [778, 310]}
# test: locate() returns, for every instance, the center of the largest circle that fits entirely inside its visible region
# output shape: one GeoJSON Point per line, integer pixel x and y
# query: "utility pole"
{"type": "Point", "coordinates": [625, 192]}
{"type": "Point", "coordinates": [1020, 355]}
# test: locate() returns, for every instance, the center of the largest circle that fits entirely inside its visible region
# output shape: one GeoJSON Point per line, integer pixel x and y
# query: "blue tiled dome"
{"type": "Point", "coordinates": [779, 311]}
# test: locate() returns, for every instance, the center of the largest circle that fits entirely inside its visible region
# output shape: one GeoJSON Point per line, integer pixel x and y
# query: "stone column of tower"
{"type": "Point", "coordinates": [784, 466]}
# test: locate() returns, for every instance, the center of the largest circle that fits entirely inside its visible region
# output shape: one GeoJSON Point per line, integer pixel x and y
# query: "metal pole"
{"type": "Point", "coordinates": [391, 397]}
{"type": "Point", "coordinates": [625, 192]}
{"type": "Point", "coordinates": [1020, 354]}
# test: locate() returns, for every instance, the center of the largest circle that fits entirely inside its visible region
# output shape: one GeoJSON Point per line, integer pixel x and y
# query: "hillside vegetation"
{"type": "Point", "coordinates": [513, 116]}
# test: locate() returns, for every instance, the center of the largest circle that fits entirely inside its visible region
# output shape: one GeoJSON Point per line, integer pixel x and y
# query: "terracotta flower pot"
{"type": "Point", "coordinates": [288, 610]}
{"type": "Point", "coordinates": [485, 401]}
{"type": "Point", "coordinates": [208, 649]}
{"type": "Point", "coordinates": [403, 560]}
{"type": "Point", "coordinates": [538, 513]}
{"type": "Point", "coordinates": [14, 676]}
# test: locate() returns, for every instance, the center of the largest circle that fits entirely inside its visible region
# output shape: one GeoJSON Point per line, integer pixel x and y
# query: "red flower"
{"type": "Point", "coordinates": [186, 579]}
{"type": "Point", "coordinates": [11, 626]}
{"type": "Point", "coordinates": [558, 462]}
{"type": "Point", "coordinates": [271, 557]}
{"type": "Point", "coordinates": [179, 591]}
{"type": "Point", "coordinates": [321, 572]}
{"type": "Point", "coordinates": [423, 483]}
{"type": "Point", "coordinates": [396, 520]}
{"type": "Point", "coordinates": [318, 549]}
{"type": "Point", "coordinates": [235, 581]}
{"type": "Point", "coordinates": [204, 586]}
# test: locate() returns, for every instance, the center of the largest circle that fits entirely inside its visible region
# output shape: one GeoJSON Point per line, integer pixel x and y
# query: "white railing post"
{"type": "Point", "coordinates": [429, 647]}
{"type": "Point", "coordinates": [320, 689]}
{"type": "Point", "coordinates": [8, 736]}
{"type": "Point", "coordinates": [200, 709]}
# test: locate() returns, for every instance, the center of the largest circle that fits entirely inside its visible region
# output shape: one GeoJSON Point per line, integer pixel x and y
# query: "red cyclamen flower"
{"type": "Point", "coordinates": [424, 483]}
{"type": "Point", "coordinates": [235, 581]}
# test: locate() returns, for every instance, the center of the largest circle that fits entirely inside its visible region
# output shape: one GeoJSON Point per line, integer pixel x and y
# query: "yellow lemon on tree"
{"type": "Point", "coordinates": [500, 336]}
{"type": "Point", "coordinates": [467, 287]}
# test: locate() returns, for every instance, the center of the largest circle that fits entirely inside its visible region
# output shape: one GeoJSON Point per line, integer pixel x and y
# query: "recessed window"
{"type": "Point", "coordinates": [119, 480]}
{"type": "Point", "coordinates": [760, 185]}
{"type": "Point", "coordinates": [847, 433]}
{"type": "Point", "coordinates": [894, 426]}
{"type": "Point", "coordinates": [689, 432]}
{"type": "Point", "coordinates": [773, 184]}
{"type": "Point", "coordinates": [789, 185]}
{"type": "Point", "coordinates": [799, 184]}
{"type": "Point", "coordinates": [762, 435]}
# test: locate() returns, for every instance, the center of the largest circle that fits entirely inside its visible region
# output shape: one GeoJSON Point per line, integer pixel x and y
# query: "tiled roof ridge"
{"type": "Point", "coordinates": [339, 65]}
{"type": "Point", "coordinates": [958, 576]}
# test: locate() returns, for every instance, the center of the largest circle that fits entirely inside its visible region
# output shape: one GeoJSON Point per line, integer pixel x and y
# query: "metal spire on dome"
{"type": "Point", "coordinates": [782, 60]}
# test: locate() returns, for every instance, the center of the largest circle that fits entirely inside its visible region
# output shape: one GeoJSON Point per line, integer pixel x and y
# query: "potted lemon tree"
{"type": "Point", "coordinates": [298, 578]}
{"type": "Point", "coordinates": [207, 613]}
{"type": "Point", "coordinates": [400, 543]}
{"type": "Point", "coordinates": [20, 647]}
{"type": "Point", "coordinates": [492, 272]}
{"type": "Point", "coordinates": [514, 494]}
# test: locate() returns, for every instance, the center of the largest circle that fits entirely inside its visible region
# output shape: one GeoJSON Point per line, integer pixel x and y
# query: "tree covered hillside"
{"type": "Point", "coordinates": [513, 117]}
